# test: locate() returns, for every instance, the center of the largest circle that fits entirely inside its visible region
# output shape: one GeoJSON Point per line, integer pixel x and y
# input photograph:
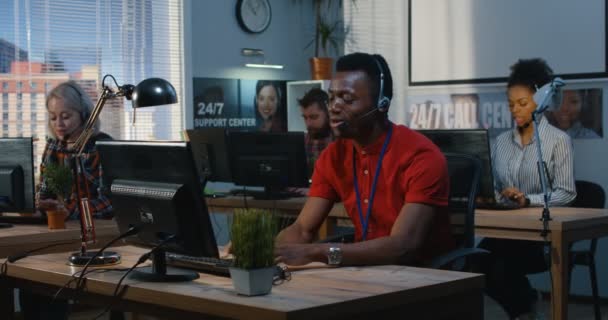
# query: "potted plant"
{"type": "Point", "coordinates": [58, 180]}
{"type": "Point", "coordinates": [252, 234]}
{"type": "Point", "coordinates": [328, 35]}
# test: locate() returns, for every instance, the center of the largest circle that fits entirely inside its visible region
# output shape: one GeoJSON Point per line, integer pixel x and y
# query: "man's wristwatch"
{"type": "Point", "coordinates": [334, 256]}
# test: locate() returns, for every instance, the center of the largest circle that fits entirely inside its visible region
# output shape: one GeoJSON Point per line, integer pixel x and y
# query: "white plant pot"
{"type": "Point", "coordinates": [252, 282]}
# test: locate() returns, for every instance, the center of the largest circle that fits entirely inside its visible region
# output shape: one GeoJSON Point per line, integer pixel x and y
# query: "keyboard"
{"type": "Point", "coordinates": [210, 265]}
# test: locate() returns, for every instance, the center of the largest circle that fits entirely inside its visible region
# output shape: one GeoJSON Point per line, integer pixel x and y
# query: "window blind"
{"type": "Point", "coordinates": [46, 42]}
{"type": "Point", "coordinates": [380, 26]}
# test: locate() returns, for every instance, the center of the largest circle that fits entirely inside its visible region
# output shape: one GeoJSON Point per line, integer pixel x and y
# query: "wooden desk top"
{"type": "Point", "coordinates": [23, 237]}
{"type": "Point", "coordinates": [563, 218]}
{"type": "Point", "coordinates": [288, 206]}
{"type": "Point", "coordinates": [310, 294]}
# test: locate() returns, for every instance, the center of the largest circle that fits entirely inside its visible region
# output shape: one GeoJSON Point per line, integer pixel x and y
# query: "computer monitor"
{"type": "Point", "coordinates": [472, 142]}
{"type": "Point", "coordinates": [16, 175]}
{"type": "Point", "coordinates": [270, 160]}
{"type": "Point", "coordinates": [210, 153]}
{"type": "Point", "coordinates": [155, 185]}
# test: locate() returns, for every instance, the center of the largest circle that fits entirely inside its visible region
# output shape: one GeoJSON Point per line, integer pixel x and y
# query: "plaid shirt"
{"type": "Point", "coordinates": [314, 147]}
{"type": "Point", "coordinates": [56, 152]}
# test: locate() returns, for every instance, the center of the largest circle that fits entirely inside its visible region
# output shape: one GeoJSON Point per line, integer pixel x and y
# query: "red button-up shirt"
{"type": "Point", "coordinates": [413, 170]}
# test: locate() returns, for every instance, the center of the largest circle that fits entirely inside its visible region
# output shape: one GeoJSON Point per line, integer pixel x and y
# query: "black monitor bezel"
{"type": "Point", "coordinates": [486, 187]}
{"type": "Point", "coordinates": [25, 146]}
{"type": "Point", "coordinates": [296, 151]}
{"type": "Point", "coordinates": [115, 167]}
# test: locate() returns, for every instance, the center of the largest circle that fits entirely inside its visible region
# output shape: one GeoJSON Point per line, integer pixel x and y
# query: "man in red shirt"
{"type": "Point", "coordinates": [392, 181]}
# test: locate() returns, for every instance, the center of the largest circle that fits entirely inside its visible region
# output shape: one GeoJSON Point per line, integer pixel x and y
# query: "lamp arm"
{"type": "Point", "coordinates": [87, 131]}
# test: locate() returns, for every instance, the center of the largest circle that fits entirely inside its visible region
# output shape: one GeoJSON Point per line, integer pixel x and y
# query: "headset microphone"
{"type": "Point", "coordinates": [345, 124]}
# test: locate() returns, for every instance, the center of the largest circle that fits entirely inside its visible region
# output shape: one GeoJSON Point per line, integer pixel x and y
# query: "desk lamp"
{"type": "Point", "coordinates": [149, 92]}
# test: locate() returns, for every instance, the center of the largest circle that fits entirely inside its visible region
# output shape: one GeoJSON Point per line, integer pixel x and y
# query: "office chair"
{"type": "Point", "coordinates": [464, 171]}
{"type": "Point", "coordinates": [588, 195]}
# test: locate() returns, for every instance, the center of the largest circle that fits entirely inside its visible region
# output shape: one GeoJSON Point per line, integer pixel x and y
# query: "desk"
{"type": "Point", "coordinates": [328, 293]}
{"type": "Point", "coordinates": [289, 207]}
{"type": "Point", "coordinates": [568, 225]}
{"type": "Point", "coordinates": [23, 237]}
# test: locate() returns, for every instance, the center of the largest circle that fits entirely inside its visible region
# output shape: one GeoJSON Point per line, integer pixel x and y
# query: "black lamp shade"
{"type": "Point", "coordinates": [153, 92]}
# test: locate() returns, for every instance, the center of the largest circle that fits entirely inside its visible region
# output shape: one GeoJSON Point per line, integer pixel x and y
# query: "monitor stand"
{"type": "Point", "coordinates": [159, 272]}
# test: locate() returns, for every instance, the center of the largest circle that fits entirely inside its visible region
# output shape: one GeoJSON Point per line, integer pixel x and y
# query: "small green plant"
{"type": "Point", "coordinates": [329, 31]}
{"type": "Point", "coordinates": [58, 179]}
{"type": "Point", "coordinates": [252, 234]}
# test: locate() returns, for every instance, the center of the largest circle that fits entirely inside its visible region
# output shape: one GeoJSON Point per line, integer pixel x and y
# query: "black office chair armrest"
{"type": "Point", "coordinates": [447, 259]}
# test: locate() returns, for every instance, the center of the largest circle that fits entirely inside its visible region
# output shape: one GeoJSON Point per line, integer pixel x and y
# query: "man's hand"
{"type": "Point", "coordinates": [514, 194]}
{"type": "Point", "coordinates": [299, 254]}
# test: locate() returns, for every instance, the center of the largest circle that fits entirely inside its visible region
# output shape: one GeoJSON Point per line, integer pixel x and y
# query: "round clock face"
{"type": "Point", "coordinates": [253, 15]}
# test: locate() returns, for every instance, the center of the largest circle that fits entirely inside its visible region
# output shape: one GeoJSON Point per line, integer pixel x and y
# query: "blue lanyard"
{"type": "Point", "coordinates": [365, 221]}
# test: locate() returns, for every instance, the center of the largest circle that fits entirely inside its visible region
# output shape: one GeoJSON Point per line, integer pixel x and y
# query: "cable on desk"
{"type": "Point", "coordinates": [18, 256]}
{"type": "Point", "coordinates": [143, 258]}
{"type": "Point", "coordinates": [72, 279]}
{"type": "Point", "coordinates": [133, 230]}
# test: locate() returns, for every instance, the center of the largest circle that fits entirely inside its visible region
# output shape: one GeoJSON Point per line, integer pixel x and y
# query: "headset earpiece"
{"type": "Point", "coordinates": [383, 104]}
{"type": "Point", "coordinates": [383, 101]}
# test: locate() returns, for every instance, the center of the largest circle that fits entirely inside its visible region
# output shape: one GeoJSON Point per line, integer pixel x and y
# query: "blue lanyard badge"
{"type": "Point", "coordinates": [365, 221]}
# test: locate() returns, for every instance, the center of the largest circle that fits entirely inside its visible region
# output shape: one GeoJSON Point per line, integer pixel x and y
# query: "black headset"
{"type": "Point", "coordinates": [383, 101]}
{"type": "Point", "coordinates": [84, 114]}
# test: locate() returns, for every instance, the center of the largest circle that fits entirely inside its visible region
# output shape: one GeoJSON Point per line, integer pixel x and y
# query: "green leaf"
{"type": "Point", "coordinates": [252, 234]}
{"type": "Point", "coordinates": [58, 179]}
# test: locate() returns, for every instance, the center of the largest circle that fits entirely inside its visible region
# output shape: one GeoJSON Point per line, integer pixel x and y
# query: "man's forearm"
{"type": "Point", "coordinates": [294, 234]}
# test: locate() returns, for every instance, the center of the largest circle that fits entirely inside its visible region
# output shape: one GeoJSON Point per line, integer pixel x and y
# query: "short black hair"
{"type": "Point", "coordinates": [531, 73]}
{"type": "Point", "coordinates": [368, 63]}
{"type": "Point", "coordinates": [314, 95]}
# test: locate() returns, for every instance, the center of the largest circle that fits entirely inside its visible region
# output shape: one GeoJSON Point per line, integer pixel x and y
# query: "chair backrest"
{"type": "Point", "coordinates": [464, 171]}
{"type": "Point", "coordinates": [589, 195]}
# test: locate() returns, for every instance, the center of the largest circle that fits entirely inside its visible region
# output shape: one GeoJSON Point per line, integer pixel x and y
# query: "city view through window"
{"type": "Point", "coordinates": [44, 43]}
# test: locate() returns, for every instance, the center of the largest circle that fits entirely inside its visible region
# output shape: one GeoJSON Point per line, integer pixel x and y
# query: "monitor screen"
{"type": "Point", "coordinates": [468, 141]}
{"type": "Point", "coordinates": [156, 185]}
{"type": "Point", "coordinates": [16, 175]}
{"type": "Point", "coordinates": [270, 160]}
{"type": "Point", "coordinates": [210, 153]}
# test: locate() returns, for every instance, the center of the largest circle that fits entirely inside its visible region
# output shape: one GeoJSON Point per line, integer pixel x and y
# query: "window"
{"type": "Point", "coordinates": [379, 27]}
{"type": "Point", "coordinates": [5, 129]}
{"type": "Point", "coordinates": [5, 86]}
{"type": "Point", "coordinates": [33, 117]}
{"type": "Point", "coordinates": [4, 116]}
{"type": "Point", "coordinates": [84, 40]}
{"type": "Point", "coordinates": [19, 116]}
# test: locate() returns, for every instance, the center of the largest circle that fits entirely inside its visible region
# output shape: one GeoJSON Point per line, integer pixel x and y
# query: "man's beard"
{"type": "Point", "coordinates": [319, 133]}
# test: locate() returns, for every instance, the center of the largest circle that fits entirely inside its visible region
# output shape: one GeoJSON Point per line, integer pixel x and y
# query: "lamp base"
{"type": "Point", "coordinates": [106, 258]}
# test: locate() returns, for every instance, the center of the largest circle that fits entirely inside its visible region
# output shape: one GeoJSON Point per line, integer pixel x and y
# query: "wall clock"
{"type": "Point", "coordinates": [253, 15]}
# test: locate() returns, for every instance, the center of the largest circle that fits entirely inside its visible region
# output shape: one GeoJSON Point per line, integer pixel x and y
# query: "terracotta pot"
{"type": "Point", "coordinates": [56, 218]}
{"type": "Point", "coordinates": [321, 68]}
